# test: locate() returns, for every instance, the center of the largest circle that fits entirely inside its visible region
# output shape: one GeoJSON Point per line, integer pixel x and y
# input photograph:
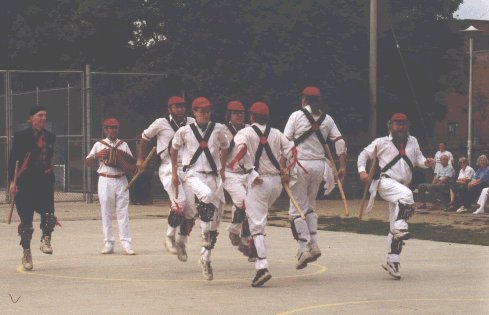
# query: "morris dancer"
{"type": "Point", "coordinates": [181, 214]}
{"type": "Point", "coordinates": [266, 146]}
{"type": "Point", "coordinates": [111, 188]}
{"type": "Point", "coordinates": [33, 148]}
{"type": "Point", "coordinates": [309, 128]}
{"type": "Point", "coordinates": [398, 154]}
{"type": "Point", "coordinates": [204, 149]}
{"type": "Point", "coordinates": [236, 178]}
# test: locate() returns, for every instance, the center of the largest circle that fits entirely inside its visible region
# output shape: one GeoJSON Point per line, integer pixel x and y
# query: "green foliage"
{"type": "Point", "coordinates": [251, 50]}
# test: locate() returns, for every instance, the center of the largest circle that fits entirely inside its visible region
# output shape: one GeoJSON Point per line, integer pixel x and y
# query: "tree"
{"type": "Point", "coordinates": [62, 34]}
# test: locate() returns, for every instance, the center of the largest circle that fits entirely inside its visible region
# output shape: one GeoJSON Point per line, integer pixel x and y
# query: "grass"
{"type": "Point", "coordinates": [423, 231]}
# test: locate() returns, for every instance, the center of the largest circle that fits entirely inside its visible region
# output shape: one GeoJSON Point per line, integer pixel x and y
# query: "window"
{"type": "Point", "coordinates": [452, 129]}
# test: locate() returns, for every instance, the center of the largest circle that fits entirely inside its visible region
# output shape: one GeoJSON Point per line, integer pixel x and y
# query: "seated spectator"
{"type": "Point", "coordinates": [442, 147]}
{"type": "Point", "coordinates": [464, 176]}
{"type": "Point", "coordinates": [479, 181]}
{"type": "Point", "coordinates": [440, 185]}
{"type": "Point", "coordinates": [482, 201]}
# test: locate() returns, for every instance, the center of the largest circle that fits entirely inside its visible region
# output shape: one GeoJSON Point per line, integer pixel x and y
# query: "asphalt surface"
{"type": "Point", "coordinates": [437, 278]}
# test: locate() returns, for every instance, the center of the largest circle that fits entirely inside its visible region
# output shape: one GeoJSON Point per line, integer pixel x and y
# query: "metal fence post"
{"type": "Point", "coordinates": [7, 131]}
{"type": "Point", "coordinates": [68, 132]}
{"type": "Point", "coordinates": [88, 133]}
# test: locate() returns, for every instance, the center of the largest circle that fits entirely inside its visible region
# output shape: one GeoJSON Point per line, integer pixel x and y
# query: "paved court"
{"type": "Point", "coordinates": [438, 278]}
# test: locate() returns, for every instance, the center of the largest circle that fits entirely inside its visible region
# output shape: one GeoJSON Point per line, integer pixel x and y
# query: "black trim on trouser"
{"type": "Point", "coordinates": [48, 222]}
{"type": "Point", "coordinates": [245, 228]}
{"type": "Point", "coordinates": [396, 247]}
{"type": "Point", "coordinates": [213, 239]}
{"type": "Point", "coordinates": [206, 211]}
{"type": "Point", "coordinates": [239, 215]}
{"type": "Point", "coordinates": [186, 226]}
{"type": "Point", "coordinates": [405, 211]}
{"type": "Point", "coordinates": [294, 230]}
{"type": "Point", "coordinates": [25, 233]}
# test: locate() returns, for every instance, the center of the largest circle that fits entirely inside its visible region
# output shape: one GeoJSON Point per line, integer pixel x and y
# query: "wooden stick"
{"type": "Point", "coordinates": [294, 202]}
{"type": "Point", "coordinates": [367, 184]}
{"type": "Point", "coordinates": [139, 172]}
{"type": "Point", "coordinates": [12, 195]}
{"type": "Point", "coordinates": [340, 185]}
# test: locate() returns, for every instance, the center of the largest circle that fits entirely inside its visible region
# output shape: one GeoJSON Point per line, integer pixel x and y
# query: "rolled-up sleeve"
{"type": "Point", "coordinates": [177, 141]}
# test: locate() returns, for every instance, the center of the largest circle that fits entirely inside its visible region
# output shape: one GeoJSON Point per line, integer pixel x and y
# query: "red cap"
{"type": "Point", "coordinates": [311, 91]}
{"type": "Point", "coordinates": [201, 102]}
{"type": "Point", "coordinates": [259, 108]}
{"type": "Point", "coordinates": [399, 117]}
{"type": "Point", "coordinates": [111, 122]}
{"type": "Point", "coordinates": [175, 100]}
{"type": "Point", "coordinates": [235, 105]}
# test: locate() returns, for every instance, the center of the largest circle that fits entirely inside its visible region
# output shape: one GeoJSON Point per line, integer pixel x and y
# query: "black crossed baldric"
{"type": "Point", "coordinates": [203, 147]}
{"type": "Point", "coordinates": [314, 128]}
{"type": "Point", "coordinates": [175, 127]}
{"type": "Point", "coordinates": [402, 155]}
{"type": "Point", "coordinates": [233, 132]}
{"type": "Point", "coordinates": [264, 145]}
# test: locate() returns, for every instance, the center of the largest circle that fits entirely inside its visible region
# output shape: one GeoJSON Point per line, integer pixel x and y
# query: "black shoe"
{"type": "Point", "coordinates": [262, 276]}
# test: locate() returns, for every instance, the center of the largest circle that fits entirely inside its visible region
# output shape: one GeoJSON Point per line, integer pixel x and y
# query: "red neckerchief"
{"type": "Point", "coordinates": [40, 139]}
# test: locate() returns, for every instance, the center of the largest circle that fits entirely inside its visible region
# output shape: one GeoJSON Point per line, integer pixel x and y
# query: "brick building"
{"type": "Point", "coordinates": [454, 127]}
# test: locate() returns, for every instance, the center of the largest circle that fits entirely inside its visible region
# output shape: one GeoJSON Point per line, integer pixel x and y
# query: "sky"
{"type": "Point", "coordinates": [473, 9]}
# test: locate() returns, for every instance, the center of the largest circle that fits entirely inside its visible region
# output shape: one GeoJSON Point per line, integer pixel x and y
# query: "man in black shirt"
{"type": "Point", "coordinates": [34, 188]}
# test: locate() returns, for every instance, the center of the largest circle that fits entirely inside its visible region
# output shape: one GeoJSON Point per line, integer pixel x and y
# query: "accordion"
{"type": "Point", "coordinates": [120, 159]}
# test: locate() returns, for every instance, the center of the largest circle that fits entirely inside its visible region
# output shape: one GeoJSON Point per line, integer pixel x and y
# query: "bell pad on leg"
{"type": "Point", "coordinates": [405, 211]}
{"type": "Point", "coordinates": [239, 215]}
{"type": "Point", "coordinates": [186, 226]}
{"type": "Point", "coordinates": [206, 211]}
{"type": "Point", "coordinates": [175, 218]}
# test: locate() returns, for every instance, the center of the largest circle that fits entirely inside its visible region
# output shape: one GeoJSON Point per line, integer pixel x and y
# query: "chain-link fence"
{"type": "Point", "coordinates": [77, 102]}
{"type": "Point", "coordinates": [136, 100]}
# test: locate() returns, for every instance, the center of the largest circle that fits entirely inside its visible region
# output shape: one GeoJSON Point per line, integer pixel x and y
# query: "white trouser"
{"type": "Point", "coordinates": [208, 189]}
{"type": "Point", "coordinates": [185, 200]}
{"type": "Point", "coordinates": [258, 200]}
{"type": "Point", "coordinates": [235, 185]}
{"type": "Point", "coordinates": [394, 192]}
{"type": "Point", "coordinates": [305, 188]}
{"type": "Point", "coordinates": [112, 197]}
{"type": "Point", "coordinates": [482, 198]}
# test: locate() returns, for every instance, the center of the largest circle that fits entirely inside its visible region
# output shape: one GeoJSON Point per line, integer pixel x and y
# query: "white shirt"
{"type": "Point", "coordinates": [466, 173]}
{"type": "Point", "coordinates": [98, 146]}
{"type": "Point", "coordinates": [311, 148]}
{"type": "Point", "coordinates": [387, 151]}
{"type": "Point", "coordinates": [245, 162]}
{"type": "Point", "coordinates": [437, 157]}
{"type": "Point", "coordinates": [280, 145]}
{"type": "Point", "coordinates": [185, 140]}
{"type": "Point", "coordinates": [164, 132]}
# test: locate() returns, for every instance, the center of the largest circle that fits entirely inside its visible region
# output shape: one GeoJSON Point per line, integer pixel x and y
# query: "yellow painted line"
{"type": "Point", "coordinates": [331, 305]}
{"type": "Point", "coordinates": [20, 269]}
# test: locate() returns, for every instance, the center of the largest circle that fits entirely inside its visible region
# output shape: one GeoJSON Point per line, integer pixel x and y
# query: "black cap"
{"type": "Point", "coordinates": [35, 109]}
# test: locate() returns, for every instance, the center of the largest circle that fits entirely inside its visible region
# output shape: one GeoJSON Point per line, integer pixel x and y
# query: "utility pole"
{"type": "Point", "coordinates": [372, 77]}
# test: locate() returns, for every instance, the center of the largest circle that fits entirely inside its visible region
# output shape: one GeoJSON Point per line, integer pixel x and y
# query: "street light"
{"type": "Point", "coordinates": [470, 31]}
